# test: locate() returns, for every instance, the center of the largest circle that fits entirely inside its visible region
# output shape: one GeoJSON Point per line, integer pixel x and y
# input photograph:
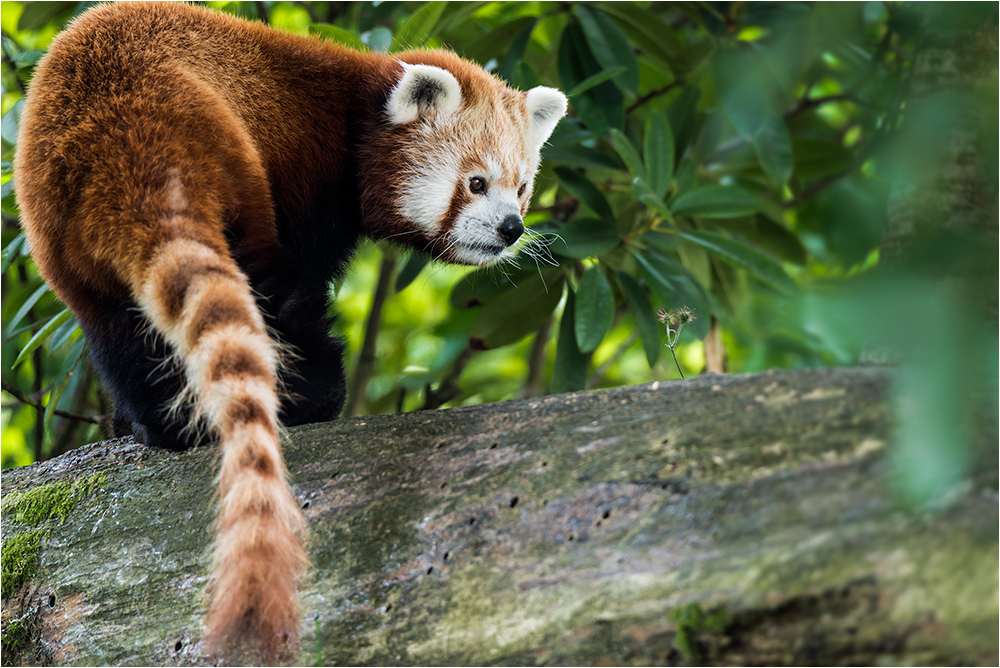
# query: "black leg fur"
{"type": "Point", "coordinates": [313, 375]}
{"type": "Point", "coordinates": [129, 359]}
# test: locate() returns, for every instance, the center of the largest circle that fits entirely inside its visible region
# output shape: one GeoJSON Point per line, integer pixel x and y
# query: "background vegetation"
{"type": "Point", "coordinates": [736, 159]}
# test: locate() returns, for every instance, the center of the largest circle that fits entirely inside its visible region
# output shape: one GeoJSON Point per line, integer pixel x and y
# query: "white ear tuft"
{"type": "Point", "coordinates": [422, 90]}
{"type": "Point", "coordinates": [545, 107]}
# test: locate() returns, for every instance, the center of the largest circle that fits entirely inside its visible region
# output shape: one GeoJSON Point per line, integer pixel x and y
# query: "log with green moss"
{"type": "Point", "coordinates": [742, 519]}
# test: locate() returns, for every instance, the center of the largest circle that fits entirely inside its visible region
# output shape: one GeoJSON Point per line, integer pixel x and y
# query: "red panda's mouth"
{"type": "Point", "coordinates": [477, 254]}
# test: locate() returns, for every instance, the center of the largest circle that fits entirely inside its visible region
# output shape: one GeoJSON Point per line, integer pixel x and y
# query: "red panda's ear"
{"type": "Point", "coordinates": [422, 90]}
{"type": "Point", "coordinates": [545, 107]}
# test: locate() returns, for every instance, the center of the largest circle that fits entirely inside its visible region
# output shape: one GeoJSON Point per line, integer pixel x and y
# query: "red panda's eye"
{"type": "Point", "coordinates": [477, 184]}
{"type": "Point", "coordinates": [520, 191]}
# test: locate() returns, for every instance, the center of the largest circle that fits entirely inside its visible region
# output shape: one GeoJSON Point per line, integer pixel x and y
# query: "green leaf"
{"type": "Point", "coordinates": [514, 54]}
{"type": "Point", "coordinates": [517, 312]}
{"type": "Point", "coordinates": [818, 157]}
{"type": "Point", "coordinates": [716, 202]}
{"type": "Point", "coordinates": [337, 34]}
{"type": "Point", "coordinates": [594, 310]}
{"type": "Point", "coordinates": [744, 257]}
{"type": "Point", "coordinates": [666, 283]}
{"type": "Point", "coordinates": [37, 14]}
{"type": "Point", "coordinates": [61, 335]}
{"type": "Point", "coordinates": [629, 155]}
{"type": "Point", "coordinates": [484, 285]}
{"type": "Point", "coordinates": [414, 264]}
{"type": "Point", "coordinates": [27, 58]}
{"type": "Point", "coordinates": [12, 251]}
{"type": "Point", "coordinates": [685, 121]}
{"type": "Point", "coordinates": [585, 237]}
{"type": "Point", "coordinates": [487, 46]}
{"type": "Point", "coordinates": [601, 107]}
{"type": "Point", "coordinates": [650, 332]}
{"type": "Point", "coordinates": [641, 192]}
{"type": "Point", "coordinates": [579, 156]}
{"type": "Point", "coordinates": [378, 39]}
{"type": "Point", "coordinates": [460, 13]}
{"type": "Point", "coordinates": [75, 354]}
{"type": "Point", "coordinates": [23, 311]}
{"type": "Point", "coordinates": [674, 286]}
{"type": "Point", "coordinates": [773, 145]}
{"type": "Point", "coordinates": [654, 36]}
{"type": "Point", "coordinates": [54, 395]}
{"type": "Point", "coordinates": [42, 334]}
{"type": "Point", "coordinates": [662, 240]}
{"type": "Point", "coordinates": [741, 90]}
{"type": "Point", "coordinates": [9, 122]}
{"type": "Point", "coordinates": [581, 188]}
{"type": "Point", "coordinates": [594, 80]}
{"type": "Point", "coordinates": [569, 371]}
{"type": "Point", "coordinates": [419, 27]}
{"type": "Point", "coordinates": [610, 46]}
{"type": "Point", "coordinates": [525, 76]}
{"type": "Point", "coordinates": [658, 150]}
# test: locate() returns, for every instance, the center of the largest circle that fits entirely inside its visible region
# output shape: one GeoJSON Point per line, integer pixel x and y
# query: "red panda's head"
{"type": "Point", "coordinates": [465, 150]}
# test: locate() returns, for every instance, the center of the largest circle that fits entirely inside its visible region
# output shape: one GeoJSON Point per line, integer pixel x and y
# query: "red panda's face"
{"type": "Point", "coordinates": [468, 160]}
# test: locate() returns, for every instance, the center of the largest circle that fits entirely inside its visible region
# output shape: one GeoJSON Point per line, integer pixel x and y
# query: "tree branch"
{"type": "Point", "coordinates": [653, 94]}
{"type": "Point", "coordinates": [25, 399]}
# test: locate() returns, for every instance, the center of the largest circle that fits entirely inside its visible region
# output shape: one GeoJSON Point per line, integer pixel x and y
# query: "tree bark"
{"type": "Point", "coordinates": [736, 519]}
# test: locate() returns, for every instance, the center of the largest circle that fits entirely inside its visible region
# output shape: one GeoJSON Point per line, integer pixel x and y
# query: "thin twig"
{"type": "Point", "coordinates": [25, 399]}
{"type": "Point", "coordinates": [652, 94]}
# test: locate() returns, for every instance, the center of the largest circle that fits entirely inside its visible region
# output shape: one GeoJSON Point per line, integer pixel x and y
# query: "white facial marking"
{"type": "Point", "coordinates": [428, 195]}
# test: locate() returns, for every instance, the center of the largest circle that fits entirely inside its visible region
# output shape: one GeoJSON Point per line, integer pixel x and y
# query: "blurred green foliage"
{"type": "Point", "coordinates": [727, 157]}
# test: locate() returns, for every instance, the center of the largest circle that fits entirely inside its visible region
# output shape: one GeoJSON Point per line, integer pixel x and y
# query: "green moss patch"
{"type": "Point", "coordinates": [16, 637]}
{"type": "Point", "coordinates": [31, 508]}
{"type": "Point", "coordinates": [37, 505]}
{"type": "Point", "coordinates": [19, 562]}
{"type": "Point", "coordinates": [691, 621]}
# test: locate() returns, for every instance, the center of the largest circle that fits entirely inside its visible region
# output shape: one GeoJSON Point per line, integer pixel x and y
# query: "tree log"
{"type": "Point", "coordinates": [723, 519]}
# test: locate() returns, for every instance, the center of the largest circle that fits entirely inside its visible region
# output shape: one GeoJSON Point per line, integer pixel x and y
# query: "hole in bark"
{"type": "Point", "coordinates": [178, 645]}
{"type": "Point", "coordinates": [52, 600]}
{"type": "Point", "coordinates": [571, 537]}
{"type": "Point", "coordinates": [494, 446]}
{"type": "Point", "coordinates": [472, 520]}
{"type": "Point", "coordinates": [513, 502]}
{"type": "Point", "coordinates": [439, 446]}
{"type": "Point", "coordinates": [445, 558]}
{"type": "Point", "coordinates": [545, 463]}
{"type": "Point", "coordinates": [443, 484]}
{"type": "Point", "coordinates": [606, 514]}
{"type": "Point", "coordinates": [306, 504]}
{"type": "Point", "coordinates": [388, 607]}
{"type": "Point", "coordinates": [430, 570]}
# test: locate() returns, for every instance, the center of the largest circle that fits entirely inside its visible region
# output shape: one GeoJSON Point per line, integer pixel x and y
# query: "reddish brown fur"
{"type": "Point", "coordinates": [154, 135]}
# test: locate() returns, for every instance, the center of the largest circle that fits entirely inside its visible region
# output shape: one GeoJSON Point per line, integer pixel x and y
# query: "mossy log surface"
{"type": "Point", "coordinates": [724, 519]}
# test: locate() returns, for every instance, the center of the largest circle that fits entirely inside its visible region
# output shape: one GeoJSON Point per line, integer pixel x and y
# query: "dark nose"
{"type": "Point", "coordinates": [511, 229]}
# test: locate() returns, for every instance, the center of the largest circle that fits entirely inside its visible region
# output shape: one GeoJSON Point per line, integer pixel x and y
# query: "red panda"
{"type": "Point", "coordinates": [191, 183]}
